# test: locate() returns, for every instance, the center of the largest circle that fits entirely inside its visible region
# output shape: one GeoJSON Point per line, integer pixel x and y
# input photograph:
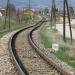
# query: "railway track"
{"type": "Point", "coordinates": [60, 66]}
{"type": "Point", "coordinates": [27, 56]}
{"type": "Point", "coordinates": [14, 53]}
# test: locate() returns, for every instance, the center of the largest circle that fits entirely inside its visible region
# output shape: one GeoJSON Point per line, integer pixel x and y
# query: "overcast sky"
{"type": "Point", "coordinates": [35, 3]}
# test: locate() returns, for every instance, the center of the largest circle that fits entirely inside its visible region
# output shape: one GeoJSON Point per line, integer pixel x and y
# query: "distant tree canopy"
{"type": "Point", "coordinates": [46, 10]}
{"type": "Point", "coordinates": [40, 11]}
{"type": "Point", "coordinates": [56, 9]}
{"type": "Point", "coordinates": [71, 9]}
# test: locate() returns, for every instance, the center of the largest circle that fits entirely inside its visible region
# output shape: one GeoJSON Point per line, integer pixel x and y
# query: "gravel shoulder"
{"type": "Point", "coordinates": [48, 52]}
{"type": "Point", "coordinates": [6, 63]}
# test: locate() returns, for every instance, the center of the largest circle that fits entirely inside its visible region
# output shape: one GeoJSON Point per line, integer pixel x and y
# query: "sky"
{"type": "Point", "coordinates": [36, 3]}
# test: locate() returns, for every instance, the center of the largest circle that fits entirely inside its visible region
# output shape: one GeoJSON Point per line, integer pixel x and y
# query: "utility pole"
{"type": "Point", "coordinates": [53, 14]}
{"type": "Point", "coordinates": [23, 16]}
{"type": "Point", "coordinates": [9, 15]}
{"type": "Point", "coordinates": [18, 15]}
{"type": "Point", "coordinates": [29, 11]}
{"type": "Point", "coordinates": [29, 5]}
{"type": "Point", "coordinates": [64, 35]}
{"type": "Point", "coordinates": [7, 12]}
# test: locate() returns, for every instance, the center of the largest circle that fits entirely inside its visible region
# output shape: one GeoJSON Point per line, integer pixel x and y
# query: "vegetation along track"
{"type": "Point", "coordinates": [51, 61]}
{"type": "Point", "coordinates": [25, 56]}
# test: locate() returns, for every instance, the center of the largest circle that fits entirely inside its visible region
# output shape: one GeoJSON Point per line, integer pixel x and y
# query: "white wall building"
{"type": "Point", "coordinates": [1, 14]}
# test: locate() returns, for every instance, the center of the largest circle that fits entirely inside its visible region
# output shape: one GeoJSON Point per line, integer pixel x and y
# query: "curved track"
{"type": "Point", "coordinates": [15, 56]}
{"type": "Point", "coordinates": [25, 55]}
{"type": "Point", "coordinates": [34, 64]}
{"type": "Point", "coordinates": [51, 61]}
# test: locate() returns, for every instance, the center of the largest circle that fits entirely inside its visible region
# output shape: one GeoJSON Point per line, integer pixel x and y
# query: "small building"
{"type": "Point", "coordinates": [29, 13]}
{"type": "Point", "coordinates": [2, 11]}
{"type": "Point", "coordinates": [0, 14]}
{"type": "Point", "coordinates": [12, 11]}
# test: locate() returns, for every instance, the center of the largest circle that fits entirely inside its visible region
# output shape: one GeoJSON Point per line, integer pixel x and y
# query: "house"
{"type": "Point", "coordinates": [29, 13]}
{"type": "Point", "coordinates": [2, 11]}
{"type": "Point", "coordinates": [0, 14]}
{"type": "Point", "coordinates": [12, 11]}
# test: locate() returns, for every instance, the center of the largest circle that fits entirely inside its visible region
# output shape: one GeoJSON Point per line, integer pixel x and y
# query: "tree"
{"type": "Point", "coordinates": [71, 9]}
{"type": "Point", "coordinates": [40, 12]}
{"type": "Point", "coordinates": [7, 11]}
{"type": "Point", "coordinates": [18, 15]}
{"type": "Point", "coordinates": [46, 11]}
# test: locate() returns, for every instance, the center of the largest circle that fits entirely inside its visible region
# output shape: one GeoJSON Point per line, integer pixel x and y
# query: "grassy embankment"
{"type": "Point", "coordinates": [64, 51]}
{"type": "Point", "coordinates": [14, 24]}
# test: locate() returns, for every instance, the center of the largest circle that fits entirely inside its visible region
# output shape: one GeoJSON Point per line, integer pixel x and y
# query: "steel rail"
{"type": "Point", "coordinates": [49, 60]}
{"type": "Point", "coordinates": [14, 54]}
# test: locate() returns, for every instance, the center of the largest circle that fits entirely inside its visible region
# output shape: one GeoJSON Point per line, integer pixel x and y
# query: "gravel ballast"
{"type": "Point", "coordinates": [7, 66]}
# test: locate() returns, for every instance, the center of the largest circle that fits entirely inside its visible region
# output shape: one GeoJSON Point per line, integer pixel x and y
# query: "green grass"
{"type": "Point", "coordinates": [14, 24]}
{"type": "Point", "coordinates": [61, 54]}
{"type": "Point", "coordinates": [2, 33]}
{"type": "Point", "coordinates": [45, 40]}
{"type": "Point", "coordinates": [1, 21]}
